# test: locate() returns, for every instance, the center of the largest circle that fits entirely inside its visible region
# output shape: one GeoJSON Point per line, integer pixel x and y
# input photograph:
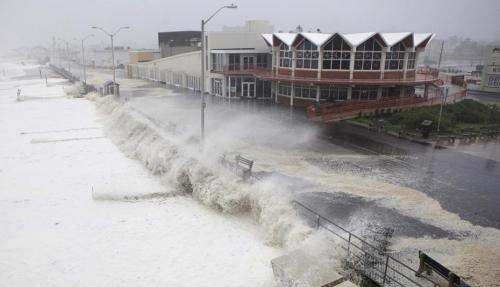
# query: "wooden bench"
{"type": "Point", "coordinates": [429, 265]}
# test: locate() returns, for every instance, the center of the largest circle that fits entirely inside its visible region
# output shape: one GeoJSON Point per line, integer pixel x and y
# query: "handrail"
{"type": "Point", "coordinates": [360, 248]}
{"type": "Point", "coordinates": [338, 108]}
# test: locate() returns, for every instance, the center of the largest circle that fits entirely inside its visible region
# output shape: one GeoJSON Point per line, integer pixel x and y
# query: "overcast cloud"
{"type": "Point", "coordinates": [27, 22]}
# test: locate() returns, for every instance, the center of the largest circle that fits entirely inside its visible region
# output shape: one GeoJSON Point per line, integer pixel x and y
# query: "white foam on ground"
{"type": "Point", "coordinates": [53, 233]}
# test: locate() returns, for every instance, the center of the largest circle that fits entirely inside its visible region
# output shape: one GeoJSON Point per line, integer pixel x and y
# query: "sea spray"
{"type": "Point", "coordinates": [177, 159]}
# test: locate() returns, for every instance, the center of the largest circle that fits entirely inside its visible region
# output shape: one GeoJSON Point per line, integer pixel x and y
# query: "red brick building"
{"type": "Point", "coordinates": [322, 70]}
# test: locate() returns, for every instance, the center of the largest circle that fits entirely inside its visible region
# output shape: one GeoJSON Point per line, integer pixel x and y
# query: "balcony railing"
{"type": "Point", "coordinates": [264, 71]}
{"type": "Point", "coordinates": [344, 109]}
{"type": "Point", "coordinates": [243, 68]}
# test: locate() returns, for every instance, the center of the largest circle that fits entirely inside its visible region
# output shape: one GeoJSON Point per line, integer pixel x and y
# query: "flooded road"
{"type": "Point", "coordinates": [464, 179]}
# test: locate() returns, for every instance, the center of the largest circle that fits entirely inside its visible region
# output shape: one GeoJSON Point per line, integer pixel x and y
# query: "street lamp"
{"type": "Point", "coordinates": [83, 61]}
{"type": "Point", "coordinates": [111, 36]}
{"type": "Point", "coordinates": [202, 78]}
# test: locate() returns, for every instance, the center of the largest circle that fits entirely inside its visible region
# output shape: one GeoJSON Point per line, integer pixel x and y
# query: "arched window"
{"type": "Point", "coordinates": [285, 56]}
{"type": "Point", "coordinates": [395, 59]}
{"type": "Point", "coordinates": [336, 54]}
{"type": "Point", "coordinates": [368, 55]}
{"type": "Point", "coordinates": [307, 55]}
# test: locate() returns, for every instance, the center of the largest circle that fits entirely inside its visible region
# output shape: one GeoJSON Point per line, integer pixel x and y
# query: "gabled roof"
{"type": "Point", "coordinates": [394, 38]}
{"type": "Point", "coordinates": [421, 37]}
{"type": "Point", "coordinates": [286, 38]}
{"type": "Point", "coordinates": [268, 38]}
{"type": "Point", "coordinates": [317, 39]}
{"type": "Point", "coordinates": [358, 38]}
{"type": "Point", "coordinates": [354, 39]}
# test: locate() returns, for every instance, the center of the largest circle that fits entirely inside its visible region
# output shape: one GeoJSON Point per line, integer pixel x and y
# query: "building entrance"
{"type": "Point", "coordinates": [248, 89]}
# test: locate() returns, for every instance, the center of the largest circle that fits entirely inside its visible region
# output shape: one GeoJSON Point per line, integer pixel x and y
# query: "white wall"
{"type": "Point", "coordinates": [181, 70]}
{"type": "Point", "coordinates": [236, 40]}
{"type": "Point", "coordinates": [189, 63]}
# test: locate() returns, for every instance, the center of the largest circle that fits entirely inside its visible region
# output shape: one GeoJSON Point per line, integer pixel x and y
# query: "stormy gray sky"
{"type": "Point", "coordinates": [27, 22]}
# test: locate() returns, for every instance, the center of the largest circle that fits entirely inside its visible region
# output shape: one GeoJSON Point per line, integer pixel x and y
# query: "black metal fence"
{"type": "Point", "coordinates": [386, 270]}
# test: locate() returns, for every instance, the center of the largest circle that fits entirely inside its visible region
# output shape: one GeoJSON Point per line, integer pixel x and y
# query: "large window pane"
{"type": "Point", "coordinates": [334, 51]}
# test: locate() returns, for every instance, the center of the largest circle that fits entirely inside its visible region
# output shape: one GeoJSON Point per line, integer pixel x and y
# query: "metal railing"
{"type": "Point", "coordinates": [243, 67]}
{"type": "Point", "coordinates": [386, 270]}
{"type": "Point", "coordinates": [340, 109]}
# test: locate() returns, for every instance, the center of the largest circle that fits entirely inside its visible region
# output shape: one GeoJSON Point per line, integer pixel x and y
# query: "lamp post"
{"type": "Point", "coordinates": [83, 61]}
{"type": "Point", "coordinates": [202, 77]}
{"type": "Point", "coordinates": [111, 36]}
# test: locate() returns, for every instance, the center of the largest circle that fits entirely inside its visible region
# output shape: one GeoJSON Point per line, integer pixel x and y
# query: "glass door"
{"type": "Point", "coordinates": [248, 89]}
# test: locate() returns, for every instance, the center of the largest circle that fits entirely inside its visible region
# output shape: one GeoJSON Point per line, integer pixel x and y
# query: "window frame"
{"type": "Point", "coordinates": [334, 51]}
{"type": "Point", "coordinates": [367, 55]}
{"type": "Point", "coordinates": [412, 60]}
{"type": "Point", "coordinates": [334, 93]}
{"type": "Point", "coordinates": [395, 57]}
{"type": "Point", "coordinates": [372, 93]}
{"type": "Point", "coordinates": [285, 56]}
{"type": "Point", "coordinates": [285, 90]}
{"type": "Point", "coordinates": [306, 52]}
{"type": "Point", "coordinates": [300, 90]}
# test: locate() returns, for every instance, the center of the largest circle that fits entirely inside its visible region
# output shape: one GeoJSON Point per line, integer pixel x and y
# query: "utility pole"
{"type": "Point", "coordinates": [202, 76]}
{"type": "Point", "coordinates": [111, 36]}
{"type": "Point", "coordinates": [440, 55]}
{"type": "Point", "coordinates": [53, 57]}
{"type": "Point", "coordinates": [83, 62]}
{"type": "Point", "coordinates": [444, 95]}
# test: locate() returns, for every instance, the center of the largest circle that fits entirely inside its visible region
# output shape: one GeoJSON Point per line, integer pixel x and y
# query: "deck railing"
{"type": "Point", "coordinates": [242, 67]}
{"type": "Point", "coordinates": [386, 270]}
{"type": "Point", "coordinates": [343, 108]}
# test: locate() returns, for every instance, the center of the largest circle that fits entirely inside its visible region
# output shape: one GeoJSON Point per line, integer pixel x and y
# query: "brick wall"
{"type": "Point", "coordinates": [306, 73]}
{"type": "Point", "coordinates": [335, 74]}
{"type": "Point", "coordinates": [366, 75]}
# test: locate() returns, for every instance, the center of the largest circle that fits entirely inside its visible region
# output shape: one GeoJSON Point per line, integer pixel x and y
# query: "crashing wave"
{"type": "Point", "coordinates": [186, 169]}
